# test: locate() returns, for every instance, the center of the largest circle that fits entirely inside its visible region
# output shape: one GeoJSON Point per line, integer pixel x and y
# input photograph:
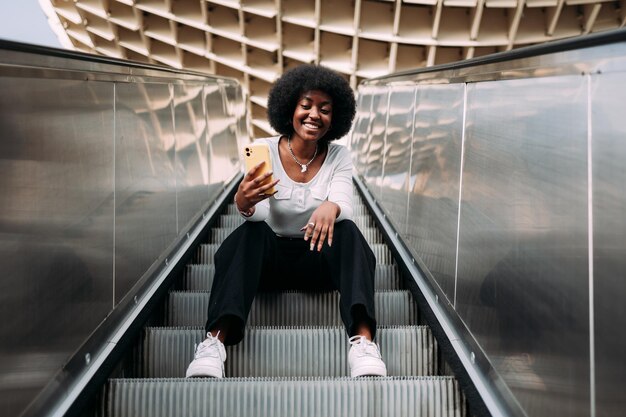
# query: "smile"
{"type": "Point", "coordinates": [311, 125]}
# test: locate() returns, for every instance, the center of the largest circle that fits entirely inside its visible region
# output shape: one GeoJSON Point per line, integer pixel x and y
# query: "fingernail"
{"type": "Point", "coordinates": [312, 247]}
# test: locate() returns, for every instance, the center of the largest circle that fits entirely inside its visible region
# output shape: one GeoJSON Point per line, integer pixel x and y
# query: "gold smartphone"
{"type": "Point", "coordinates": [254, 154]}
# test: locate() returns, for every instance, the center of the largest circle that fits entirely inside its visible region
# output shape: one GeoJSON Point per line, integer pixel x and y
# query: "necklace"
{"type": "Point", "coordinates": [303, 167]}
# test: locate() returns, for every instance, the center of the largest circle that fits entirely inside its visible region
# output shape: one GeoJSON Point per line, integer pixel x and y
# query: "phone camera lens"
{"type": "Point", "coordinates": [247, 153]}
{"type": "Point", "coordinates": [247, 150]}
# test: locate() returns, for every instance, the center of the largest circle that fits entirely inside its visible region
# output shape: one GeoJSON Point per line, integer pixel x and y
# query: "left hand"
{"type": "Point", "coordinates": [321, 225]}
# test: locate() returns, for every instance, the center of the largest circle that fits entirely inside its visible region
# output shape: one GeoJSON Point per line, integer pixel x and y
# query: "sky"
{"type": "Point", "coordinates": [24, 21]}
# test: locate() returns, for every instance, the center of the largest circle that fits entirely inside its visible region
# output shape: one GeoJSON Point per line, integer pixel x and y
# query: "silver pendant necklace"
{"type": "Point", "coordinates": [303, 167]}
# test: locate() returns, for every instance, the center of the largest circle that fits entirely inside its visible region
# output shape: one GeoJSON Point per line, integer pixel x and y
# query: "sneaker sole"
{"type": "Point", "coordinates": [368, 371]}
{"type": "Point", "coordinates": [200, 371]}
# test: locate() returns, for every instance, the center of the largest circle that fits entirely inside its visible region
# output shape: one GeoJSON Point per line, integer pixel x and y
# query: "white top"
{"type": "Point", "coordinates": [287, 211]}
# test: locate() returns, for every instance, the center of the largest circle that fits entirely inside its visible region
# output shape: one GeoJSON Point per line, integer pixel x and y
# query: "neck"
{"type": "Point", "coordinates": [301, 148]}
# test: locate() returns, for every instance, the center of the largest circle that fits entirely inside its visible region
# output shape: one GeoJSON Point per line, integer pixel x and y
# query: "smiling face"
{"type": "Point", "coordinates": [312, 115]}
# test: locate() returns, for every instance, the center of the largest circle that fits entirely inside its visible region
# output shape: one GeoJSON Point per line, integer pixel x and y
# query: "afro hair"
{"type": "Point", "coordinates": [287, 90]}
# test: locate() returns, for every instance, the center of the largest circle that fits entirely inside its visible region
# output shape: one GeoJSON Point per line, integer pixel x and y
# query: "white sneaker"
{"type": "Point", "coordinates": [364, 358]}
{"type": "Point", "coordinates": [208, 359]}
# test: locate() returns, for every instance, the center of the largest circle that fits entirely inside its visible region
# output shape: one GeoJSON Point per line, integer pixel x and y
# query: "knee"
{"type": "Point", "coordinates": [347, 227]}
{"type": "Point", "coordinates": [256, 229]}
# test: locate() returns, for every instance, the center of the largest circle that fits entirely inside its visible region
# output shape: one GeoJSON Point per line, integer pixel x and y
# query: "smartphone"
{"type": "Point", "coordinates": [254, 154]}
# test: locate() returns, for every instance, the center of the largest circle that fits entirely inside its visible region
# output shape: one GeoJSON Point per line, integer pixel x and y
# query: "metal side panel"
{"type": "Point", "coordinates": [290, 352]}
{"type": "Point", "coordinates": [294, 309]}
{"type": "Point", "coordinates": [523, 273]}
{"type": "Point", "coordinates": [145, 180]}
{"type": "Point", "coordinates": [56, 226]}
{"type": "Point", "coordinates": [278, 397]}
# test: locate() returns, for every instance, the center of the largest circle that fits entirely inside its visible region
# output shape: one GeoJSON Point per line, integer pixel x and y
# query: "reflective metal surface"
{"type": "Point", "coordinates": [396, 159]}
{"type": "Point", "coordinates": [145, 181]}
{"type": "Point", "coordinates": [374, 143]}
{"type": "Point", "coordinates": [103, 167]}
{"type": "Point", "coordinates": [223, 144]}
{"type": "Point", "coordinates": [522, 265]}
{"type": "Point", "coordinates": [609, 228]}
{"type": "Point", "coordinates": [56, 236]}
{"type": "Point", "coordinates": [192, 168]}
{"type": "Point", "coordinates": [534, 271]}
{"type": "Point", "coordinates": [434, 181]}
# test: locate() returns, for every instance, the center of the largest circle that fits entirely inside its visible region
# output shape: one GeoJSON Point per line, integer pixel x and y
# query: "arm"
{"type": "Point", "coordinates": [341, 191]}
{"type": "Point", "coordinates": [251, 197]}
{"type": "Point", "coordinates": [337, 207]}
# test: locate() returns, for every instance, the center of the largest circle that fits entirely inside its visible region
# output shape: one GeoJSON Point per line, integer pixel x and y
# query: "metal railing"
{"type": "Point", "coordinates": [502, 177]}
{"type": "Point", "coordinates": [106, 168]}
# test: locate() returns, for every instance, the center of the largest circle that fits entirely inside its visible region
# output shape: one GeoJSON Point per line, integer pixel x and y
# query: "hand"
{"type": "Point", "coordinates": [321, 225]}
{"type": "Point", "coordinates": [252, 190]}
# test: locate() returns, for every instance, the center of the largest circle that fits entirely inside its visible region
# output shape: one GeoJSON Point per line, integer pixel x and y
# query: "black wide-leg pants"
{"type": "Point", "coordinates": [253, 258]}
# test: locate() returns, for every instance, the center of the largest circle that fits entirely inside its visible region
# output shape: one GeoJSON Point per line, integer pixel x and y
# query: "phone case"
{"type": "Point", "coordinates": [253, 154]}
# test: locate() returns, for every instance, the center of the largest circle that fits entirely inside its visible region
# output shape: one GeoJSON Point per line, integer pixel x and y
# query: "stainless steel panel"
{"type": "Point", "coordinates": [374, 147]}
{"type": "Point", "coordinates": [222, 142]}
{"type": "Point", "coordinates": [192, 168]}
{"type": "Point", "coordinates": [56, 236]}
{"type": "Point", "coordinates": [609, 230]}
{"type": "Point", "coordinates": [523, 250]}
{"type": "Point", "coordinates": [361, 129]}
{"type": "Point", "coordinates": [145, 180]}
{"type": "Point", "coordinates": [397, 160]}
{"type": "Point", "coordinates": [239, 108]}
{"type": "Point", "coordinates": [434, 181]}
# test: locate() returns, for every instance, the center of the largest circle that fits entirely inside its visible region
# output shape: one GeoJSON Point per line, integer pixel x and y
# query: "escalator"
{"type": "Point", "coordinates": [293, 358]}
{"type": "Point", "coordinates": [490, 190]}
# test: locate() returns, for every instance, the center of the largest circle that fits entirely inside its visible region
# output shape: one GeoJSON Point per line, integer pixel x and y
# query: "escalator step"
{"type": "Point", "coordinates": [219, 234]}
{"type": "Point", "coordinates": [290, 352]}
{"type": "Point", "coordinates": [235, 220]}
{"type": "Point", "coordinates": [186, 308]}
{"type": "Point", "coordinates": [206, 252]}
{"type": "Point", "coordinates": [200, 277]}
{"type": "Point", "coordinates": [277, 397]}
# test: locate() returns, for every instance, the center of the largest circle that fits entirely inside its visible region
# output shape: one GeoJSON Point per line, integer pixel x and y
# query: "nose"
{"type": "Point", "coordinates": [314, 113]}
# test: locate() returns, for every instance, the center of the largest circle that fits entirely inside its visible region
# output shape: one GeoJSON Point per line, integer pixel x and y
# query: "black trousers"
{"type": "Point", "coordinates": [253, 258]}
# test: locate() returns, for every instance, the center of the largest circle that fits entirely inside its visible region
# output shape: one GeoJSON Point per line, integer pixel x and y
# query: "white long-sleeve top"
{"type": "Point", "coordinates": [287, 211]}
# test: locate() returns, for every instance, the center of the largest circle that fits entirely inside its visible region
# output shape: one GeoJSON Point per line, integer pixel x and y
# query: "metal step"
{"type": "Point", "coordinates": [290, 352]}
{"type": "Point", "coordinates": [187, 308]}
{"type": "Point", "coordinates": [288, 397]}
{"type": "Point", "coordinates": [219, 234]}
{"type": "Point", "coordinates": [199, 277]}
{"type": "Point", "coordinates": [235, 220]}
{"type": "Point", "coordinates": [206, 252]}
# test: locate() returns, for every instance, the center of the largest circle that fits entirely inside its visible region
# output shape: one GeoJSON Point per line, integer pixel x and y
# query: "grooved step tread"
{"type": "Point", "coordinates": [206, 252]}
{"type": "Point", "coordinates": [278, 397]}
{"type": "Point", "coordinates": [187, 308]}
{"type": "Point", "coordinates": [290, 352]}
{"type": "Point", "coordinates": [219, 234]}
{"type": "Point", "coordinates": [199, 277]}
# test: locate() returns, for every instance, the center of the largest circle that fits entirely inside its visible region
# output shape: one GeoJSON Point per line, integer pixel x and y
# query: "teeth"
{"type": "Point", "coordinates": [312, 126]}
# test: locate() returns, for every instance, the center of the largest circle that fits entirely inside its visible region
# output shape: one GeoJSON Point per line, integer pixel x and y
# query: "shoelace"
{"type": "Point", "coordinates": [207, 345]}
{"type": "Point", "coordinates": [364, 346]}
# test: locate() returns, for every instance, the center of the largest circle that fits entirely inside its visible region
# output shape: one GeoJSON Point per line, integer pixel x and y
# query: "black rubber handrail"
{"type": "Point", "coordinates": [561, 45]}
{"type": "Point", "coordinates": [99, 59]}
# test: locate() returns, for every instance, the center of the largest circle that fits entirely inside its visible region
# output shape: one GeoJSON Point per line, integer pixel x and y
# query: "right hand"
{"type": "Point", "coordinates": [251, 191]}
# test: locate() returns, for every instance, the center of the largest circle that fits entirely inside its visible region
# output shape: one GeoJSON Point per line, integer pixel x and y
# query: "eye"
{"type": "Point", "coordinates": [325, 111]}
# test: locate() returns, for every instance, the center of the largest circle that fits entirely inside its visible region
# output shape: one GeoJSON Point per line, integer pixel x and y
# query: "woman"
{"type": "Point", "coordinates": [301, 237]}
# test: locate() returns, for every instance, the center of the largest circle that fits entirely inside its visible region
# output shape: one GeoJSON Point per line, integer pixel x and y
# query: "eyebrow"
{"type": "Point", "coordinates": [310, 99]}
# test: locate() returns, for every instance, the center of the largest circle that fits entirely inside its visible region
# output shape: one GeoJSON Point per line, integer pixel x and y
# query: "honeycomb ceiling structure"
{"type": "Point", "coordinates": [256, 40]}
